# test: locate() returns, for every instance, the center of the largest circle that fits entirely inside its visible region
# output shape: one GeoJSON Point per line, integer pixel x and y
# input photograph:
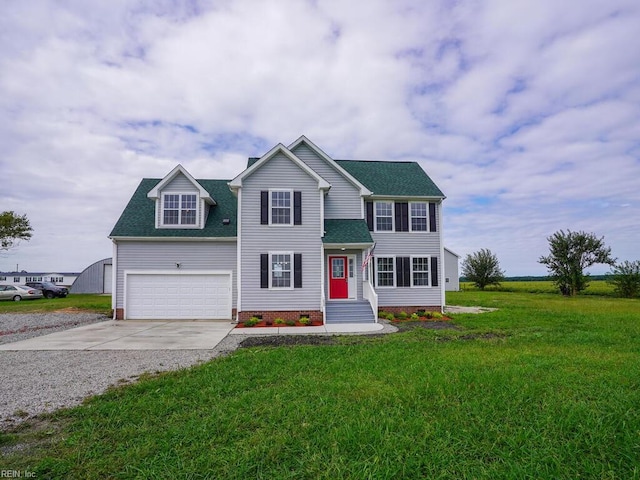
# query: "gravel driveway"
{"type": "Point", "coordinates": [35, 382]}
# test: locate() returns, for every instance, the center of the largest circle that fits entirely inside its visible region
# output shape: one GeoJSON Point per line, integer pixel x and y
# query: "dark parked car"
{"type": "Point", "coordinates": [49, 290]}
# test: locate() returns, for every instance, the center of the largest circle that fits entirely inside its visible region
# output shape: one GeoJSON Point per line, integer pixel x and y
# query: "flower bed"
{"type": "Point", "coordinates": [255, 322]}
{"type": "Point", "coordinates": [419, 316]}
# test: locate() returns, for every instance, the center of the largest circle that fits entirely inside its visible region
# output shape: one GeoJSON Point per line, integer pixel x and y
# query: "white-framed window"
{"type": "Point", "coordinates": [385, 272]}
{"type": "Point", "coordinates": [33, 279]}
{"type": "Point", "coordinates": [16, 279]}
{"type": "Point", "coordinates": [180, 209]}
{"type": "Point", "coordinates": [383, 216]}
{"type": "Point", "coordinates": [420, 271]}
{"type": "Point", "coordinates": [281, 270]}
{"type": "Point", "coordinates": [280, 207]}
{"type": "Point", "coordinates": [56, 279]}
{"type": "Point", "coordinates": [419, 216]}
{"type": "Point", "coordinates": [3, 279]}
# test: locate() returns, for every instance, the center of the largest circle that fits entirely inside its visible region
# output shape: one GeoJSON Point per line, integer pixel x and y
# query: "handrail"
{"type": "Point", "coordinates": [370, 294]}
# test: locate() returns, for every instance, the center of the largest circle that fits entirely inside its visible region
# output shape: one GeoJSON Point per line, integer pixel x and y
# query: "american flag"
{"type": "Point", "coordinates": [367, 259]}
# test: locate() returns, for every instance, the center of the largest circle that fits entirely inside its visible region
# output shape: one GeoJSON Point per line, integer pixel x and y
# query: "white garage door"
{"type": "Point", "coordinates": [184, 296]}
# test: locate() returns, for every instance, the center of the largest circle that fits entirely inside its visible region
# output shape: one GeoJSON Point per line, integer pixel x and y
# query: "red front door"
{"type": "Point", "coordinates": [338, 280]}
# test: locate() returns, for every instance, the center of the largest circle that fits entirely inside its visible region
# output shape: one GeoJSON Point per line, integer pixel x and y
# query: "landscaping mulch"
{"type": "Point", "coordinates": [288, 340]}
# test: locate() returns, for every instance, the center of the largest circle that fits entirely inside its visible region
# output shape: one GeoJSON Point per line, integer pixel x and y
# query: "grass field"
{"type": "Point", "coordinates": [544, 387]}
{"type": "Point", "coordinates": [93, 303]}
{"type": "Point", "coordinates": [596, 287]}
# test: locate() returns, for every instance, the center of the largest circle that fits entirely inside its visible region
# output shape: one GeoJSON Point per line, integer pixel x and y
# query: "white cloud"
{"type": "Point", "coordinates": [525, 113]}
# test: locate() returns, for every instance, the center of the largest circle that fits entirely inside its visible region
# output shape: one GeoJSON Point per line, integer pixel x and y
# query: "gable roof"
{"type": "Point", "coordinates": [346, 231]}
{"type": "Point", "coordinates": [179, 169]}
{"type": "Point", "coordinates": [237, 182]}
{"type": "Point", "coordinates": [138, 217]}
{"type": "Point", "coordinates": [387, 178]}
{"type": "Point", "coordinates": [396, 179]}
{"type": "Point", "coordinates": [331, 162]}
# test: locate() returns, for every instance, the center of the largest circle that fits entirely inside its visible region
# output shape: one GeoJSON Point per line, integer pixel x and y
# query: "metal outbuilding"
{"type": "Point", "coordinates": [96, 278]}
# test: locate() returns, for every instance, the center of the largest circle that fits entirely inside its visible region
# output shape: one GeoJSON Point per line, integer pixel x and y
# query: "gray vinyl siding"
{"type": "Point", "coordinates": [200, 255]}
{"type": "Point", "coordinates": [91, 280]}
{"type": "Point", "coordinates": [343, 199]}
{"type": "Point", "coordinates": [357, 266]}
{"type": "Point", "coordinates": [180, 184]}
{"type": "Point", "coordinates": [405, 244]}
{"type": "Point", "coordinates": [280, 173]}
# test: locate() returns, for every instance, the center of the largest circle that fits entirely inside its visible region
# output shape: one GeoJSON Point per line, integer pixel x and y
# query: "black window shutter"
{"type": "Point", "coordinates": [402, 216]}
{"type": "Point", "coordinates": [297, 270]}
{"type": "Point", "coordinates": [264, 208]}
{"type": "Point", "coordinates": [374, 261]}
{"type": "Point", "coordinates": [370, 216]}
{"type": "Point", "coordinates": [297, 208]}
{"type": "Point", "coordinates": [432, 217]}
{"type": "Point", "coordinates": [434, 271]}
{"type": "Point", "coordinates": [403, 272]}
{"type": "Point", "coordinates": [264, 270]}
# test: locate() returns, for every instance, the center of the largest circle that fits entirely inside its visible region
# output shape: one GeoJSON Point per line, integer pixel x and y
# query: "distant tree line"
{"type": "Point", "coordinates": [570, 254]}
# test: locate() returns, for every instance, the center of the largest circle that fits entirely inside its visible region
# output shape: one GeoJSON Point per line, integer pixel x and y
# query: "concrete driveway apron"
{"type": "Point", "coordinates": [131, 335]}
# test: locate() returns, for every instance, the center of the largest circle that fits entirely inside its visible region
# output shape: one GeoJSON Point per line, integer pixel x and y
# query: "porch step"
{"type": "Point", "coordinates": [349, 312]}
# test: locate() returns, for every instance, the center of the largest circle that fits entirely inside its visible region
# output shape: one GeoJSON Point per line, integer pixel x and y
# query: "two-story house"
{"type": "Point", "coordinates": [296, 233]}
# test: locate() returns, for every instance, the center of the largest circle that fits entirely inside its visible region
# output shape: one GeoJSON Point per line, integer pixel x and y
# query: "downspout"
{"type": "Point", "coordinates": [239, 254]}
{"type": "Point", "coordinates": [442, 260]}
{"type": "Point", "coordinates": [114, 280]}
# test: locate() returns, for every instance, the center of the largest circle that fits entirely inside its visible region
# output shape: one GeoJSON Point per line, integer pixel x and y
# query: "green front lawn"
{"type": "Point", "coordinates": [86, 302]}
{"type": "Point", "coordinates": [545, 387]}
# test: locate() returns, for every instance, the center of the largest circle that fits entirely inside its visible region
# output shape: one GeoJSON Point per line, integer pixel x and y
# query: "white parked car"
{"type": "Point", "coordinates": [19, 292]}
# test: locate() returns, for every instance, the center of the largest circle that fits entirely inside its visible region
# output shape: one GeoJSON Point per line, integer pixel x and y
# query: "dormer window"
{"type": "Point", "coordinates": [179, 209]}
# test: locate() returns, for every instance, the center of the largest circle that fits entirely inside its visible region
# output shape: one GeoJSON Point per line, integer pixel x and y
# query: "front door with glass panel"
{"type": "Point", "coordinates": [338, 278]}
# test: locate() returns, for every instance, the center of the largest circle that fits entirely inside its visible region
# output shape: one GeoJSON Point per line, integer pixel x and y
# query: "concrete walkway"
{"type": "Point", "coordinates": [131, 335]}
{"type": "Point", "coordinates": [324, 329]}
{"type": "Point", "coordinates": [165, 335]}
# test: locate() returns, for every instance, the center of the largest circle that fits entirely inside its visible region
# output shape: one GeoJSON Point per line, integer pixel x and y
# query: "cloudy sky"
{"type": "Point", "coordinates": [525, 113]}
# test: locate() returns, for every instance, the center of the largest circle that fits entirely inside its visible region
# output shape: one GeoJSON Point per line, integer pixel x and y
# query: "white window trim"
{"type": "Point", "coordinates": [161, 223]}
{"type": "Point", "coordinates": [393, 217]}
{"type": "Point", "coordinates": [291, 279]}
{"type": "Point", "coordinates": [428, 271]}
{"type": "Point", "coordinates": [411, 218]}
{"type": "Point", "coordinates": [377, 272]}
{"type": "Point", "coordinates": [290, 224]}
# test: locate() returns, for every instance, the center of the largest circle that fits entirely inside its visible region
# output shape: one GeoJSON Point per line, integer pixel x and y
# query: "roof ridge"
{"type": "Point", "coordinates": [378, 161]}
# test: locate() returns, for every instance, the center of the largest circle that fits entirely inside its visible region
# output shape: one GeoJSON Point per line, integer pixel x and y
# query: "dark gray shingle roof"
{"type": "Point", "coordinates": [346, 231]}
{"type": "Point", "coordinates": [404, 179]}
{"type": "Point", "coordinates": [138, 217]}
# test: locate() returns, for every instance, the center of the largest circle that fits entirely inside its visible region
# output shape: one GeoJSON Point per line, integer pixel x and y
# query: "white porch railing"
{"type": "Point", "coordinates": [370, 294]}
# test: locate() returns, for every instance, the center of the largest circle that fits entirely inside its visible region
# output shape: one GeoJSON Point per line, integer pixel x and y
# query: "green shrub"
{"type": "Point", "coordinates": [291, 323]}
{"type": "Point", "coordinates": [436, 315]}
{"type": "Point", "coordinates": [305, 321]}
{"type": "Point", "coordinates": [391, 317]}
{"type": "Point", "coordinates": [252, 322]}
{"type": "Point", "coordinates": [403, 315]}
{"type": "Point", "coordinates": [415, 316]}
{"type": "Point", "coordinates": [278, 321]}
{"type": "Point", "coordinates": [625, 279]}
